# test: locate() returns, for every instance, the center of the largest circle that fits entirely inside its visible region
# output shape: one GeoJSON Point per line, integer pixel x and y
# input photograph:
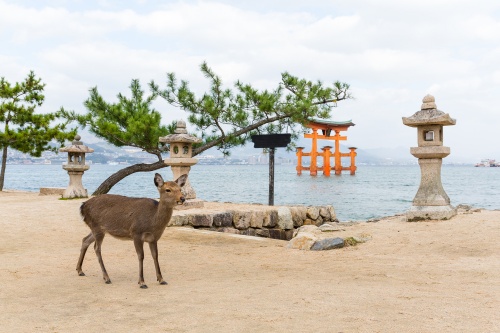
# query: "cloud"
{"type": "Point", "coordinates": [391, 52]}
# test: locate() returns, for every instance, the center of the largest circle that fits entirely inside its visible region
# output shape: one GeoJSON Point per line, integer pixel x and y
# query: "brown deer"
{"type": "Point", "coordinates": [138, 219]}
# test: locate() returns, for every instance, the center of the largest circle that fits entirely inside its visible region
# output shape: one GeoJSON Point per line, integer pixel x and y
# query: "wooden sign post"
{"type": "Point", "coordinates": [271, 141]}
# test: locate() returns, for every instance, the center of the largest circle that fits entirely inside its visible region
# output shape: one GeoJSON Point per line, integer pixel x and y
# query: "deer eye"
{"type": "Point", "coordinates": [168, 190]}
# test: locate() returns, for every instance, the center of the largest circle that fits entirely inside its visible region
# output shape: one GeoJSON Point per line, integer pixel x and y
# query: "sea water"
{"type": "Point", "coordinates": [375, 191]}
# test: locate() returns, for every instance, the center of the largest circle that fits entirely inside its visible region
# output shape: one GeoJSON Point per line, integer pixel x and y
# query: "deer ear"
{"type": "Point", "coordinates": [181, 181]}
{"type": "Point", "coordinates": [158, 180]}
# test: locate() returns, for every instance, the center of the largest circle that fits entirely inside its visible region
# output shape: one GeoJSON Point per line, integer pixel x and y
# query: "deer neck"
{"type": "Point", "coordinates": [163, 214]}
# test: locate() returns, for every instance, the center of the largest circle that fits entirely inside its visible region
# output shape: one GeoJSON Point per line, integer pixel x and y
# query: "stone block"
{"type": "Point", "coordinates": [277, 234]}
{"type": "Point", "coordinates": [248, 232]}
{"type": "Point", "coordinates": [241, 220]}
{"type": "Point", "coordinates": [319, 221]}
{"type": "Point", "coordinates": [230, 230]}
{"type": "Point", "coordinates": [328, 244]}
{"type": "Point", "coordinates": [179, 220]}
{"type": "Point", "coordinates": [257, 219]}
{"type": "Point", "coordinates": [189, 204]}
{"type": "Point", "coordinates": [312, 212]}
{"type": "Point", "coordinates": [51, 191]}
{"type": "Point", "coordinates": [309, 222]}
{"type": "Point", "coordinates": [270, 219]}
{"type": "Point", "coordinates": [262, 233]}
{"type": "Point", "coordinates": [324, 213]}
{"type": "Point", "coordinates": [223, 219]}
{"type": "Point", "coordinates": [284, 218]}
{"type": "Point", "coordinates": [297, 219]}
{"type": "Point", "coordinates": [201, 220]}
{"type": "Point", "coordinates": [333, 215]}
{"type": "Point", "coordinates": [423, 213]}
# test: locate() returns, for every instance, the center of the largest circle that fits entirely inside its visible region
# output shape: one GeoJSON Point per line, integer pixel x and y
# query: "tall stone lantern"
{"type": "Point", "coordinates": [431, 201]}
{"type": "Point", "coordinates": [76, 167]}
{"type": "Point", "coordinates": [181, 159]}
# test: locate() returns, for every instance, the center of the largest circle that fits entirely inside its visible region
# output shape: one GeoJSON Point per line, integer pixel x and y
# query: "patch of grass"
{"type": "Point", "coordinates": [350, 241]}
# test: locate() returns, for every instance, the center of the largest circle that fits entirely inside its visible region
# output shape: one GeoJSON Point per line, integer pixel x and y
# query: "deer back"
{"type": "Point", "coordinates": [120, 216]}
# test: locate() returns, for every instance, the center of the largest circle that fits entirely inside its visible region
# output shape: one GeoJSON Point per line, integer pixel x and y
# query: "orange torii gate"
{"type": "Point", "coordinates": [326, 127]}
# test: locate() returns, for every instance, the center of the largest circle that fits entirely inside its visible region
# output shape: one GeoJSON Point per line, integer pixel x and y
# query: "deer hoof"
{"type": "Point", "coordinates": [163, 282]}
{"type": "Point", "coordinates": [81, 274]}
{"type": "Point", "coordinates": [143, 286]}
{"type": "Point", "coordinates": [108, 282]}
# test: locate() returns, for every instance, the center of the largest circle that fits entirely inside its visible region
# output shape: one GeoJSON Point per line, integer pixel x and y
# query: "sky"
{"type": "Point", "coordinates": [391, 52]}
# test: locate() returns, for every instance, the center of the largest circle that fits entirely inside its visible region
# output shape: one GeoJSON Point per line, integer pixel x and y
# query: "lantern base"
{"type": "Point", "coordinates": [425, 213]}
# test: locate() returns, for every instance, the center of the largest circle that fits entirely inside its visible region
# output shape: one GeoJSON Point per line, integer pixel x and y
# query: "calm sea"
{"type": "Point", "coordinates": [375, 191]}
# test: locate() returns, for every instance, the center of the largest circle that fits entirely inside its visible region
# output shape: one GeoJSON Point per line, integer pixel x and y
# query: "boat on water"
{"type": "Point", "coordinates": [488, 163]}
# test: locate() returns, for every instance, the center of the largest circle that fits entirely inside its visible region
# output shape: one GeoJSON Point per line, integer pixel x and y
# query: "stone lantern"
{"type": "Point", "coordinates": [76, 167]}
{"type": "Point", "coordinates": [181, 159]}
{"type": "Point", "coordinates": [431, 201]}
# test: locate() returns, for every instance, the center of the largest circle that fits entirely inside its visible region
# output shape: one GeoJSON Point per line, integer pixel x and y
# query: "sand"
{"type": "Point", "coordinates": [410, 277]}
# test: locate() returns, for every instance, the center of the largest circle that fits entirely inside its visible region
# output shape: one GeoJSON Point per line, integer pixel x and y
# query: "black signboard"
{"type": "Point", "coordinates": [271, 140]}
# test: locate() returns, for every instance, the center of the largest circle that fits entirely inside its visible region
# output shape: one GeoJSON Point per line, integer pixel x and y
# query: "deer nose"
{"type": "Point", "coordinates": [183, 199]}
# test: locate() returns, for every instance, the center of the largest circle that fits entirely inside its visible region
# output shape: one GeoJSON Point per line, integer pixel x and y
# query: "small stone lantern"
{"type": "Point", "coordinates": [431, 201]}
{"type": "Point", "coordinates": [181, 160]}
{"type": "Point", "coordinates": [76, 167]}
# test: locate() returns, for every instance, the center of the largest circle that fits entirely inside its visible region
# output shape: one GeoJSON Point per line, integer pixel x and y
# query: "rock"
{"type": "Point", "coordinates": [306, 228]}
{"type": "Point", "coordinates": [230, 230]}
{"type": "Point", "coordinates": [248, 232]}
{"type": "Point", "coordinates": [178, 221]}
{"type": "Point", "coordinates": [223, 219]}
{"type": "Point", "coordinates": [312, 212]}
{"type": "Point", "coordinates": [329, 228]}
{"type": "Point", "coordinates": [324, 213]}
{"type": "Point", "coordinates": [333, 215]}
{"type": "Point", "coordinates": [319, 221]}
{"type": "Point", "coordinates": [464, 207]}
{"type": "Point", "coordinates": [270, 219]}
{"type": "Point", "coordinates": [297, 219]}
{"type": "Point", "coordinates": [327, 244]}
{"type": "Point", "coordinates": [52, 191]}
{"type": "Point", "coordinates": [257, 219]}
{"type": "Point", "coordinates": [201, 220]}
{"type": "Point", "coordinates": [285, 221]}
{"type": "Point", "coordinates": [277, 234]}
{"type": "Point", "coordinates": [360, 239]}
{"type": "Point", "coordinates": [309, 222]}
{"type": "Point", "coordinates": [241, 220]}
{"type": "Point", "coordinates": [262, 233]}
{"type": "Point", "coordinates": [303, 241]}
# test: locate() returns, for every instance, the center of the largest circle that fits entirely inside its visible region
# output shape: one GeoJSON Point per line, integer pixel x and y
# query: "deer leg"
{"type": "Point", "coordinates": [153, 246]}
{"type": "Point", "coordinates": [139, 248]}
{"type": "Point", "coordinates": [87, 240]}
{"type": "Point", "coordinates": [97, 247]}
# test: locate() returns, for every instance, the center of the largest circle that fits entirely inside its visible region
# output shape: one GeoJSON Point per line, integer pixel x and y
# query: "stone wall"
{"type": "Point", "coordinates": [277, 222]}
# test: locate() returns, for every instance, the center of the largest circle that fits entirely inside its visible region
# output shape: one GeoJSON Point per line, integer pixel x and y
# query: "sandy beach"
{"type": "Point", "coordinates": [410, 277]}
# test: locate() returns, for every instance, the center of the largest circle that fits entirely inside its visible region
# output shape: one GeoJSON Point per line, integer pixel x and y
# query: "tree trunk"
{"type": "Point", "coordinates": [120, 174]}
{"type": "Point", "coordinates": [4, 164]}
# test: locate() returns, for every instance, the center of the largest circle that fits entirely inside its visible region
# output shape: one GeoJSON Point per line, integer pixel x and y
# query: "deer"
{"type": "Point", "coordinates": [126, 218]}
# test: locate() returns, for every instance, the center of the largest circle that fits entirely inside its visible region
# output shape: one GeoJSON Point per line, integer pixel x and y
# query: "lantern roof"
{"type": "Point", "coordinates": [76, 147]}
{"type": "Point", "coordinates": [180, 135]}
{"type": "Point", "coordinates": [429, 115]}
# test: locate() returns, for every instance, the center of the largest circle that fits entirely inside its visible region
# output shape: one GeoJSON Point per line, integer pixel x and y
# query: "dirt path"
{"type": "Point", "coordinates": [411, 277]}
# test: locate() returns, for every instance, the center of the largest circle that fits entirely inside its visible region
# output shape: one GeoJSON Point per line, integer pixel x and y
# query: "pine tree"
{"type": "Point", "coordinates": [129, 122]}
{"type": "Point", "coordinates": [223, 118]}
{"type": "Point", "coordinates": [23, 129]}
